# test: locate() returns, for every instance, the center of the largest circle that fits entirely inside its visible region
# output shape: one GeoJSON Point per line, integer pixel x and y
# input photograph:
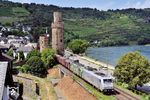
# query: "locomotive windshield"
{"type": "Point", "coordinates": [107, 80]}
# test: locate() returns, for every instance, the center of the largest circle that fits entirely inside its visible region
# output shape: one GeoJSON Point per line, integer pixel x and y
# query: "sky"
{"type": "Point", "coordinates": [99, 4]}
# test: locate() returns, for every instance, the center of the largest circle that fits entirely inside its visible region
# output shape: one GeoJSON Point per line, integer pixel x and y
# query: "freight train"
{"type": "Point", "coordinates": [101, 81]}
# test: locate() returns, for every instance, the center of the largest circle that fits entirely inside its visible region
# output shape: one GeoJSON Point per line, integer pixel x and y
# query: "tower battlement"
{"type": "Point", "coordinates": [57, 17]}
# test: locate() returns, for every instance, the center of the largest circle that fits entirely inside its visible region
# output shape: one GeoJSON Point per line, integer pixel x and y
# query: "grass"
{"type": "Point", "coordinates": [79, 27]}
{"type": "Point", "coordinates": [6, 11]}
{"type": "Point", "coordinates": [12, 14]}
{"type": "Point", "coordinates": [88, 27]}
{"type": "Point", "coordinates": [19, 11]}
{"type": "Point", "coordinates": [99, 95]}
{"type": "Point", "coordinates": [13, 11]}
{"type": "Point", "coordinates": [4, 20]}
{"type": "Point", "coordinates": [124, 87]}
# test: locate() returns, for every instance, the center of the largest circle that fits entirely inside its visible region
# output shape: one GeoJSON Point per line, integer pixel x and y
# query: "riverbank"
{"type": "Point", "coordinates": [92, 62]}
{"type": "Point", "coordinates": [99, 63]}
{"type": "Point", "coordinates": [111, 55]}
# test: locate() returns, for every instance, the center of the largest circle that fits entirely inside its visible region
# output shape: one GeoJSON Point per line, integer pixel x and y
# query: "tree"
{"type": "Point", "coordinates": [7, 24]}
{"type": "Point", "coordinates": [78, 46]}
{"type": "Point", "coordinates": [68, 36]}
{"type": "Point", "coordinates": [36, 66]}
{"type": "Point", "coordinates": [133, 69]}
{"type": "Point", "coordinates": [47, 57]}
{"type": "Point", "coordinates": [33, 53]}
{"type": "Point", "coordinates": [21, 55]}
{"type": "Point", "coordinates": [17, 33]}
{"type": "Point", "coordinates": [10, 52]}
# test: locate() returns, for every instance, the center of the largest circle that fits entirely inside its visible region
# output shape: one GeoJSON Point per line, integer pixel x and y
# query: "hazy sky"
{"type": "Point", "coordinates": [99, 4]}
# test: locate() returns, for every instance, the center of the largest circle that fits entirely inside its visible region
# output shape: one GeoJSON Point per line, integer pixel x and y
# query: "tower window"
{"type": "Point", "coordinates": [61, 40]}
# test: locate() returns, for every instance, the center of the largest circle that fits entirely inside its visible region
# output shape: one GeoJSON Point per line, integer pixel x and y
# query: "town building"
{"type": "Point", "coordinates": [25, 50]}
{"type": "Point", "coordinates": [6, 79]}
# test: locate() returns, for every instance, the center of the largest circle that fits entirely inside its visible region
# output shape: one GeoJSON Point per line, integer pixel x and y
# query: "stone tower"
{"type": "Point", "coordinates": [43, 42]}
{"type": "Point", "coordinates": [58, 33]}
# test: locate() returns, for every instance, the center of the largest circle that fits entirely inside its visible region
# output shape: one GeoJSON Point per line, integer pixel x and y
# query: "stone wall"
{"type": "Point", "coordinates": [29, 86]}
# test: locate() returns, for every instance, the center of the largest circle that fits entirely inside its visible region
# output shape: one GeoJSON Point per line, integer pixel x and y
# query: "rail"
{"type": "Point", "coordinates": [123, 95]}
{"type": "Point", "coordinates": [119, 94]}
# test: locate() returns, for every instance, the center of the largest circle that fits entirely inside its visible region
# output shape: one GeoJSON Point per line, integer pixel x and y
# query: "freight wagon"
{"type": "Point", "coordinates": [101, 81]}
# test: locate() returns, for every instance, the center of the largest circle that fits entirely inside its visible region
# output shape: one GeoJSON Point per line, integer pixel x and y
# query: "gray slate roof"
{"type": "Point", "coordinates": [3, 70]}
{"type": "Point", "coordinates": [2, 47]}
{"type": "Point", "coordinates": [25, 49]}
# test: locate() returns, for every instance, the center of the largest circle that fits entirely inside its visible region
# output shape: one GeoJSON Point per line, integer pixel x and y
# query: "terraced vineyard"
{"type": "Point", "coordinates": [106, 28]}
{"type": "Point", "coordinates": [12, 14]}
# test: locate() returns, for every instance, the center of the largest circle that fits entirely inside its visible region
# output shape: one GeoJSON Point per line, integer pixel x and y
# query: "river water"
{"type": "Point", "coordinates": [111, 55]}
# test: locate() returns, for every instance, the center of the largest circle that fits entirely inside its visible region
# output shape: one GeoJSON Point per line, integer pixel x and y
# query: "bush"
{"type": "Point", "coordinates": [10, 52]}
{"type": "Point", "coordinates": [25, 68]}
{"type": "Point", "coordinates": [78, 46]}
{"type": "Point", "coordinates": [33, 53]}
{"type": "Point", "coordinates": [21, 55]}
{"type": "Point", "coordinates": [36, 66]}
{"type": "Point", "coordinates": [47, 57]}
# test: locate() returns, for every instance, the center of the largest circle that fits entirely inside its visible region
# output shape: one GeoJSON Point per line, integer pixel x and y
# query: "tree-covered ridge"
{"type": "Point", "coordinates": [101, 28]}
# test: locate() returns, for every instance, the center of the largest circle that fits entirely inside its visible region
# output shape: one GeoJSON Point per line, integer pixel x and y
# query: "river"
{"type": "Point", "coordinates": [111, 55]}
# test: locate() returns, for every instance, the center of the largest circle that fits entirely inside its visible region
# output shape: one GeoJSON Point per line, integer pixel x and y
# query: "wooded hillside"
{"type": "Point", "coordinates": [101, 28]}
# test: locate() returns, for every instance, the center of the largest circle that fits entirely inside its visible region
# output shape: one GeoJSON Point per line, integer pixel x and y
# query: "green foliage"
{"type": "Point", "coordinates": [126, 26]}
{"type": "Point", "coordinates": [33, 53]}
{"type": "Point", "coordinates": [10, 13]}
{"type": "Point", "coordinates": [6, 11]}
{"type": "Point", "coordinates": [37, 31]}
{"type": "Point", "coordinates": [21, 55]}
{"type": "Point", "coordinates": [13, 11]}
{"type": "Point", "coordinates": [68, 36]}
{"type": "Point", "coordinates": [36, 66]}
{"type": "Point", "coordinates": [7, 24]}
{"type": "Point", "coordinates": [133, 69]}
{"type": "Point", "coordinates": [145, 39]}
{"type": "Point", "coordinates": [78, 46]}
{"type": "Point", "coordinates": [17, 33]}
{"type": "Point", "coordinates": [112, 40]}
{"type": "Point", "coordinates": [10, 52]}
{"type": "Point", "coordinates": [4, 19]}
{"type": "Point", "coordinates": [24, 69]}
{"type": "Point", "coordinates": [47, 57]}
{"type": "Point", "coordinates": [20, 11]}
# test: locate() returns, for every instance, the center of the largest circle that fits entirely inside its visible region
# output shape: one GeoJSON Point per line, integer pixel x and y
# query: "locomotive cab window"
{"type": "Point", "coordinates": [108, 81]}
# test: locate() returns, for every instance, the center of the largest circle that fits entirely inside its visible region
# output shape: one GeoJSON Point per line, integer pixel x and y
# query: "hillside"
{"type": "Point", "coordinates": [101, 28]}
{"type": "Point", "coordinates": [11, 13]}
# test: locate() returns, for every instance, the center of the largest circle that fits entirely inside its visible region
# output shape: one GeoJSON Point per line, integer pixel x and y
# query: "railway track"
{"type": "Point", "coordinates": [118, 93]}
{"type": "Point", "coordinates": [122, 95]}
